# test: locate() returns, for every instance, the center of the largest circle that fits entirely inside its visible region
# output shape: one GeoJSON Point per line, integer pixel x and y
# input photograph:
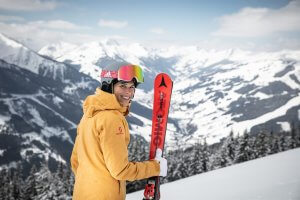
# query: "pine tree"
{"type": "Point", "coordinates": [227, 152]}
{"type": "Point", "coordinates": [243, 150]}
{"type": "Point", "coordinates": [204, 159]}
{"type": "Point", "coordinates": [273, 140]}
{"type": "Point", "coordinates": [292, 142]}
{"type": "Point", "coordinates": [262, 145]}
{"type": "Point", "coordinates": [11, 187]}
{"type": "Point", "coordinates": [61, 182]}
{"type": "Point", "coordinates": [17, 183]}
{"type": "Point", "coordinates": [298, 135]}
{"type": "Point", "coordinates": [137, 152]}
{"type": "Point", "coordinates": [180, 165]}
{"type": "Point", "coordinates": [29, 190]}
{"type": "Point", "coordinates": [282, 143]}
{"type": "Point", "coordinates": [44, 184]}
{"type": "Point", "coordinates": [4, 187]}
{"type": "Point", "coordinates": [172, 163]}
{"type": "Point", "coordinates": [70, 184]}
{"type": "Point", "coordinates": [194, 166]}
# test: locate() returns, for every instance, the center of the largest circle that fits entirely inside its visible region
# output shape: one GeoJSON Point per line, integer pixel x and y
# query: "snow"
{"type": "Point", "coordinates": [3, 119]}
{"type": "Point", "coordinates": [144, 130]}
{"type": "Point", "coordinates": [247, 124]}
{"type": "Point", "coordinates": [2, 152]}
{"type": "Point", "coordinates": [53, 131]}
{"type": "Point", "coordinates": [36, 118]}
{"type": "Point", "coordinates": [57, 50]}
{"type": "Point", "coordinates": [275, 177]}
{"type": "Point", "coordinates": [31, 136]}
{"type": "Point", "coordinates": [57, 100]}
{"type": "Point", "coordinates": [255, 68]}
{"type": "Point", "coordinates": [261, 96]}
{"type": "Point", "coordinates": [285, 126]}
{"type": "Point", "coordinates": [15, 53]}
{"type": "Point", "coordinates": [144, 98]}
{"type": "Point", "coordinates": [9, 42]}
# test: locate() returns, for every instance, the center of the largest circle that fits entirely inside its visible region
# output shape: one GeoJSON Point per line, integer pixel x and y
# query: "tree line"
{"type": "Point", "coordinates": [42, 183]}
{"type": "Point", "coordinates": [233, 149]}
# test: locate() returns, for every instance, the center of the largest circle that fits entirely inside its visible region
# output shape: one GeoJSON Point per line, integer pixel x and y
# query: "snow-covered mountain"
{"type": "Point", "coordinates": [57, 50]}
{"type": "Point", "coordinates": [14, 52]}
{"type": "Point", "coordinates": [37, 95]}
{"type": "Point", "coordinates": [274, 177]}
{"type": "Point", "coordinates": [41, 105]}
{"type": "Point", "coordinates": [215, 92]}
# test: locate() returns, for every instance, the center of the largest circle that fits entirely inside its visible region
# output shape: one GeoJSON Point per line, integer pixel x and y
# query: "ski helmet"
{"type": "Point", "coordinates": [120, 71]}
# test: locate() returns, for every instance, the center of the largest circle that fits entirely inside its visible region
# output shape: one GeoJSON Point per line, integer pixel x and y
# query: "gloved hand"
{"type": "Point", "coordinates": [162, 162]}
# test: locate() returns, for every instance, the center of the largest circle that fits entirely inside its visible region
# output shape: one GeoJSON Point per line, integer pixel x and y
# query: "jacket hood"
{"type": "Point", "coordinates": [102, 101]}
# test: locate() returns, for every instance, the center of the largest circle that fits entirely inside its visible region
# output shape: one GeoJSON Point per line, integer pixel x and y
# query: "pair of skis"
{"type": "Point", "coordinates": [162, 96]}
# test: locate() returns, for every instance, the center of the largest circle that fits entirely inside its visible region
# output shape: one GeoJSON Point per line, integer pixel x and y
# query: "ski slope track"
{"type": "Point", "coordinates": [275, 177]}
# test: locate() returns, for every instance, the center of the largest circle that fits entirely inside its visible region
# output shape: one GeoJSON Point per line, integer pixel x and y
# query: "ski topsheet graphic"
{"type": "Point", "coordinates": [162, 96]}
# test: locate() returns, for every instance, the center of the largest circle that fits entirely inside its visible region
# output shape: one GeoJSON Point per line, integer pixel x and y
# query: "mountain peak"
{"type": "Point", "coordinates": [56, 50]}
{"type": "Point", "coordinates": [110, 42]}
{"type": "Point", "coordinates": [5, 40]}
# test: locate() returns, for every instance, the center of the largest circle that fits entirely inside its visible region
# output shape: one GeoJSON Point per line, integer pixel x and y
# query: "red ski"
{"type": "Point", "coordinates": [162, 96]}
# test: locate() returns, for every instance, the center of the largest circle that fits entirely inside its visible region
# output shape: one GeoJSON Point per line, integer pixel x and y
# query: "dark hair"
{"type": "Point", "coordinates": [109, 87]}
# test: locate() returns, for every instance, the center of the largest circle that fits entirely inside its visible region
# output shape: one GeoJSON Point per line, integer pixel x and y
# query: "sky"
{"type": "Point", "coordinates": [262, 25]}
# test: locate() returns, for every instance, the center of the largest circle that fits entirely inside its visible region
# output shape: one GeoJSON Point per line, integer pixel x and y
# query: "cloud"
{"type": "Point", "coordinates": [27, 5]}
{"type": "Point", "coordinates": [56, 24]}
{"type": "Point", "coordinates": [256, 22]}
{"type": "Point", "coordinates": [37, 34]}
{"type": "Point", "coordinates": [158, 31]}
{"type": "Point", "coordinates": [40, 33]}
{"type": "Point", "coordinates": [11, 18]}
{"type": "Point", "coordinates": [112, 23]}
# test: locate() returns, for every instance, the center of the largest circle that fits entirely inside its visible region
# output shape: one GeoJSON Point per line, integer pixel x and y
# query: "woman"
{"type": "Point", "coordinates": [100, 158]}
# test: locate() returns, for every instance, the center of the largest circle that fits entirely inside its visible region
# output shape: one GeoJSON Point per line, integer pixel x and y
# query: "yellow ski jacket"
{"type": "Point", "coordinates": [100, 158]}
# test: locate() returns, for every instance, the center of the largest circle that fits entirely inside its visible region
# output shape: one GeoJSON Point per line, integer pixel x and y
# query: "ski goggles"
{"type": "Point", "coordinates": [125, 73]}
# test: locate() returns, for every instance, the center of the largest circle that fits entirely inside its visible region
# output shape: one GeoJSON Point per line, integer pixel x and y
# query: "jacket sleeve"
{"type": "Point", "coordinates": [74, 158]}
{"type": "Point", "coordinates": [113, 144]}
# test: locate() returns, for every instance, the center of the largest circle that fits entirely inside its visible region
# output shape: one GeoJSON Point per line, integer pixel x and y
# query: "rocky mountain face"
{"type": "Point", "coordinates": [40, 106]}
{"type": "Point", "coordinates": [215, 92]}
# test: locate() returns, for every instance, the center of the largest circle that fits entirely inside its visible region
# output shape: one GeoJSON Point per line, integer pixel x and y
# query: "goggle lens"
{"type": "Point", "coordinates": [128, 72]}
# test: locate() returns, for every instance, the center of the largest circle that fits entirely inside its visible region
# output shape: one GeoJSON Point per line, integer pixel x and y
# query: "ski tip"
{"type": "Point", "coordinates": [164, 77]}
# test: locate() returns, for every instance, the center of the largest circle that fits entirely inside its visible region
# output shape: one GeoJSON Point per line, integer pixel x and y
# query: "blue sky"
{"type": "Point", "coordinates": [245, 24]}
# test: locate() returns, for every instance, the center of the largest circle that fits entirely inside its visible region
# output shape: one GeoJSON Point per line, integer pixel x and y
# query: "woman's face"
{"type": "Point", "coordinates": [124, 91]}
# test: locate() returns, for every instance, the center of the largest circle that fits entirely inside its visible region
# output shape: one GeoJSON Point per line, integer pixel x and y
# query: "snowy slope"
{"type": "Point", "coordinates": [36, 96]}
{"type": "Point", "coordinates": [234, 90]}
{"type": "Point", "coordinates": [56, 50]}
{"type": "Point", "coordinates": [15, 53]}
{"type": "Point", "coordinates": [214, 91]}
{"type": "Point", "coordinates": [275, 177]}
{"type": "Point", "coordinates": [91, 56]}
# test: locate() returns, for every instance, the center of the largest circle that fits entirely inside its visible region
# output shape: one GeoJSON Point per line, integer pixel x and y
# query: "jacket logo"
{"type": "Point", "coordinates": [120, 131]}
